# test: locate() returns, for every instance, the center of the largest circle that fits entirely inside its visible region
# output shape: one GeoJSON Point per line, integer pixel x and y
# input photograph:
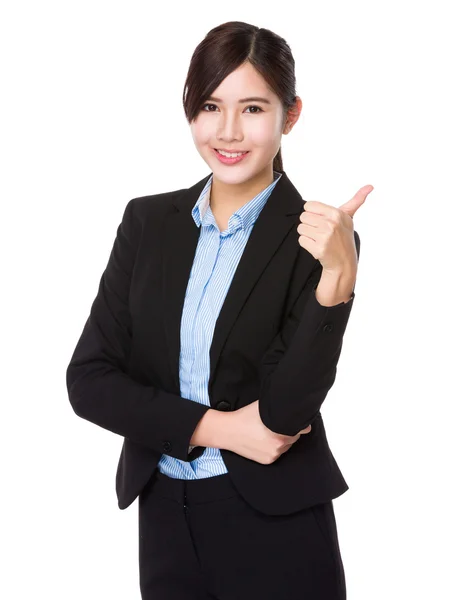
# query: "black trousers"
{"type": "Point", "coordinates": [200, 540]}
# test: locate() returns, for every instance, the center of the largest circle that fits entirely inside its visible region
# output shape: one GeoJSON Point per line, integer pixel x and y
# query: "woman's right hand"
{"type": "Point", "coordinates": [249, 437]}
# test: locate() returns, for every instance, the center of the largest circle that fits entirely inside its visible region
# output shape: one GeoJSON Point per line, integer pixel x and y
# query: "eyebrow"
{"type": "Point", "coordinates": [250, 99]}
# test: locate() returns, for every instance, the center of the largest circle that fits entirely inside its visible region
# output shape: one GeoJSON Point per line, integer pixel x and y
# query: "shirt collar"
{"type": "Point", "coordinates": [244, 217]}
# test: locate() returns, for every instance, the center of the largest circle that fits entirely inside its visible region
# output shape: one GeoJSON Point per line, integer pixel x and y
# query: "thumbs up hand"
{"type": "Point", "coordinates": [327, 233]}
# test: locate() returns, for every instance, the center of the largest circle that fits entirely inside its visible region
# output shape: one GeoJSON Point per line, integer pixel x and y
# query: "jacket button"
{"type": "Point", "coordinates": [223, 405]}
{"type": "Point", "coordinates": [167, 446]}
{"type": "Point", "coordinates": [328, 327]}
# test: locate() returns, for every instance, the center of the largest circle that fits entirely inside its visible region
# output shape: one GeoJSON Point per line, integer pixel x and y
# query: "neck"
{"type": "Point", "coordinates": [228, 198]}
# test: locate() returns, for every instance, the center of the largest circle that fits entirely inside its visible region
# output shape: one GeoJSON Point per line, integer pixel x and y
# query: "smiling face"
{"type": "Point", "coordinates": [254, 126]}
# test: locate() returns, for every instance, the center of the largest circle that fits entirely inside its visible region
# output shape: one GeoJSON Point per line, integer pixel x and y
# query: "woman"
{"type": "Point", "coordinates": [213, 341]}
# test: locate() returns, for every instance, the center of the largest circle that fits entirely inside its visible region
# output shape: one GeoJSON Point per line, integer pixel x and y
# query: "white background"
{"type": "Point", "coordinates": [91, 116]}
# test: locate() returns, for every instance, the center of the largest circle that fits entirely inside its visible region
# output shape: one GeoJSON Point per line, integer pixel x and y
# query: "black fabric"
{"type": "Point", "coordinates": [199, 540]}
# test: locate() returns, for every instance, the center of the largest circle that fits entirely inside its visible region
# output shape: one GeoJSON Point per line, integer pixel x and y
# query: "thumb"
{"type": "Point", "coordinates": [350, 207]}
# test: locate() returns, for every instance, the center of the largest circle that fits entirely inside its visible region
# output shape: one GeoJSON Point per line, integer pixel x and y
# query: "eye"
{"type": "Point", "coordinates": [252, 106]}
{"type": "Point", "coordinates": [203, 107]}
{"type": "Point", "coordinates": [258, 108]}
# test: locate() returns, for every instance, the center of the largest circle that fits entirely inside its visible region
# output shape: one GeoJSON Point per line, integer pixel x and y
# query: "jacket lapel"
{"type": "Point", "coordinates": [279, 215]}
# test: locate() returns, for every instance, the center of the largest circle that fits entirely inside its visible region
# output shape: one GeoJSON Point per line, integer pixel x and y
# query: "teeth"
{"type": "Point", "coordinates": [230, 155]}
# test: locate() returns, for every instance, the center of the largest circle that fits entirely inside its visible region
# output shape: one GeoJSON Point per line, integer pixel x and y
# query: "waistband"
{"type": "Point", "coordinates": [195, 491]}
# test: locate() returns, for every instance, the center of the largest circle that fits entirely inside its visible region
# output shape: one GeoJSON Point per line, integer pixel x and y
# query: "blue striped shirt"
{"type": "Point", "coordinates": [216, 259]}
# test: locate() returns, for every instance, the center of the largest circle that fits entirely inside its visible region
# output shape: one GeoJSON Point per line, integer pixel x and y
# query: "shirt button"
{"type": "Point", "coordinates": [167, 446]}
{"type": "Point", "coordinates": [328, 327]}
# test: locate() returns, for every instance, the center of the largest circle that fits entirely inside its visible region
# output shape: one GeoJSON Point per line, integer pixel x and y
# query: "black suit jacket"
{"type": "Point", "coordinates": [272, 341]}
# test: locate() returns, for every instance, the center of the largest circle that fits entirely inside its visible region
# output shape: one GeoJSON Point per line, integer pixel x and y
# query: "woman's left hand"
{"type": "Point", "coordinates": [327, 233]}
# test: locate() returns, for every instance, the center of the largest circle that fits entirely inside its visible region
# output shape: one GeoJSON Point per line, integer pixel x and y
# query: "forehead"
{"type": "Point", "coordinates": [243, 81]}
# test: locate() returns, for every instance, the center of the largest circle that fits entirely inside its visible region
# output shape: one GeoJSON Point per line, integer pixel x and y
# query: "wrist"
{"type": "Point", "coordinates": [220, 427]}
{"type": "Point", "coordinates": [336, 286]}
{"type": "Point", "coordinates": [211, 430]}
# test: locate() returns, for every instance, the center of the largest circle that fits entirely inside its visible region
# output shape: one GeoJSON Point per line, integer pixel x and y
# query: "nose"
{"type": "Point", "coordinates": [229, 129]}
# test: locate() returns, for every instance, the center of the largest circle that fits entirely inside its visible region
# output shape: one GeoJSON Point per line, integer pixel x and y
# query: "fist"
{"type": "Point", "coordinates": [327, 232]}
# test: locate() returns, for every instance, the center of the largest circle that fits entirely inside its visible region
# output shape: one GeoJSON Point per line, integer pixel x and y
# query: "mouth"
{"type": "Point", "coordinates": [230, 151]}
{"type": "Point", "coordinates": [227, 160]}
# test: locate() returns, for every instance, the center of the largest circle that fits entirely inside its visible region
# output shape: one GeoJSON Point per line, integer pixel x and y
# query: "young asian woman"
{"type": "Point", "coordinates": [213, 341]}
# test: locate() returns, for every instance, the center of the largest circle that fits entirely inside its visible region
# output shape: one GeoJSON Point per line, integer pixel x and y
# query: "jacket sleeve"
{"type": "Point", "coordinates": [99, 388]}
{"type": "Point", "coordinates": [299, 368]}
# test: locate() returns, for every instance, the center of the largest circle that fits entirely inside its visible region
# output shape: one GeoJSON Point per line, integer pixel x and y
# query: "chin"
{"type": "Point", "coordinates": [226, 176]}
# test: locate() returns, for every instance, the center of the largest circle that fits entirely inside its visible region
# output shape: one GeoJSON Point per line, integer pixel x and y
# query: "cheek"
{"type": "Point", "coordinates": [264, 133]}
{"type": "Point", "coordinates": [201, 132]}
{"type": "Point", "coordinates": [265, 140]}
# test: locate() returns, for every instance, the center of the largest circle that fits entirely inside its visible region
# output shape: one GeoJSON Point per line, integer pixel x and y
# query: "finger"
{"type": "Point", "coordinates": [350, 207]}
{"type": "Point", "coordinates": [320, 208]}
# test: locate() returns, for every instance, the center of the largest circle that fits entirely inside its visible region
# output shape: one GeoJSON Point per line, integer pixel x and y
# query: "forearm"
{"type": "Point", "coordinates": [211, 429]}
{"type": "Point", "coordinates": [292, 393]}
{"type": "Point", "coordinates": [299, 368]}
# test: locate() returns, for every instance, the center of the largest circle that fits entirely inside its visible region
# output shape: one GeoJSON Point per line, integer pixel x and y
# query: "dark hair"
{"type": "Point", "coordinates": [223, 50]}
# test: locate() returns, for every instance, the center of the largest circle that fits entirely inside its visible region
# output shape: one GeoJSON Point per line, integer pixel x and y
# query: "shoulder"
{"type": "Point", "coordinates": [151, 209]}
{"type": "Point", "coordinates": [143, 206]}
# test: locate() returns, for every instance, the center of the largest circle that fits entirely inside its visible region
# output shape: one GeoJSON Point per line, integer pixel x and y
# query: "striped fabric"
{"type": "Point", "coordinates": [216, 259]}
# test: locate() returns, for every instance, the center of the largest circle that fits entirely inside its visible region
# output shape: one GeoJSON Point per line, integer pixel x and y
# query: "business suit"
{"type": "Point", "coordinates": [123, 374]}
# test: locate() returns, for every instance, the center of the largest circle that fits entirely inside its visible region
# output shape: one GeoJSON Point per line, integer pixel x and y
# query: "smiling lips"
{"type": "Point", "coordinates": [228, 160]}
{"type": "Point", "coordinates": [230, 151]}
